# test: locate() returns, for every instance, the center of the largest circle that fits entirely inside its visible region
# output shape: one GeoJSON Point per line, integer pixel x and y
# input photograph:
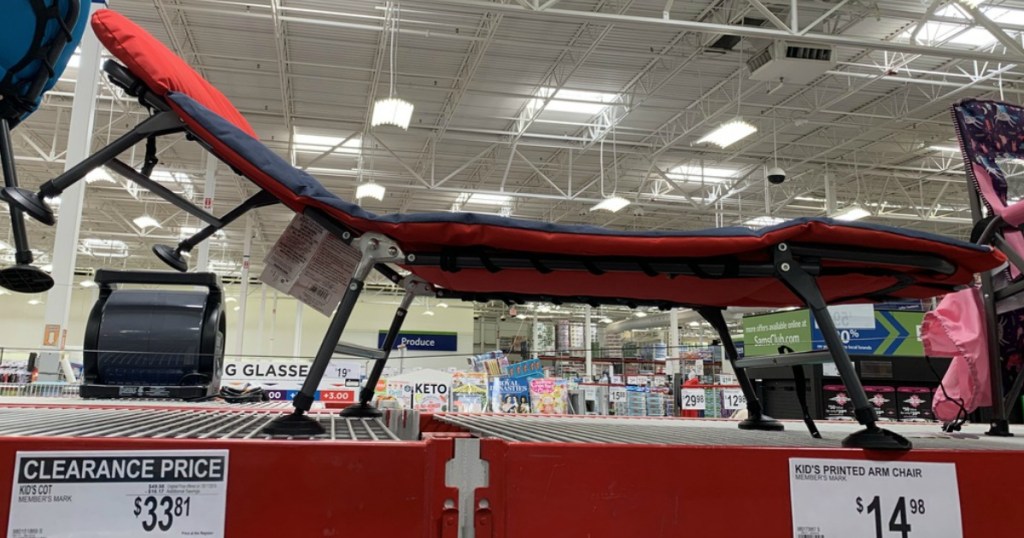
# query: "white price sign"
{"type": "Point", "coordinates": [874, 499]}
{"type": "Point", "coordinates": [590, 393]}
{"type": "Point", "coordinates": [618, 394]}
{"type": "Point", "coordinates": [693, 399]}
{"type": "Point", "coordinates": [121, 493]}
{"type": "Point", "coordinates": [733, 399]}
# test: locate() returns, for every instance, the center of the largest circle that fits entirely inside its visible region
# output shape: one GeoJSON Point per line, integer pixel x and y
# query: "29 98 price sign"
{"type": "Point", "coordinates": [121, 493]}
{"type": "Point", "coordinates": [693, 399]}
{"type": "Point", "coordinates": [871, 499]}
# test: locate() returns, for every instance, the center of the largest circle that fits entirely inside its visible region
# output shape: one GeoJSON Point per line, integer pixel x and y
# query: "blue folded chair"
{"type": "Point", "coordinates": [37, 40]}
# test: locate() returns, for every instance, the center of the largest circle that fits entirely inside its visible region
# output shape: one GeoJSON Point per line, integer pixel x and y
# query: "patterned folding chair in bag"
{"type": "Point", "coordinates": [991, 138]}
{"type": "Point", "coordinates": [37, 39]}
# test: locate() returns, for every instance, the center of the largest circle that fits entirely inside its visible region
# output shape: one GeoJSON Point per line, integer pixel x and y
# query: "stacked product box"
{"type": "Point", "coordinates": [655, 404]}
{"type": "Point", "coordinates": [636, 401]}
{"type": "Point", "coordinates": [883, 400]}
{"type": "Point", "coordinates": [914, 404]}
{"type": "Point", "coordinates": [712, 403]}
{"type": "Point", "coordinates": [838, 405]}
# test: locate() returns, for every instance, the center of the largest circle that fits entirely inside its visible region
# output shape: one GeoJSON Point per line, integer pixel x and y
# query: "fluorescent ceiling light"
{"type": "Point", "coordinates": [237, 308]}
{"type": "Point", "coordinates": [729, 133]}
{"type": "Point", "coordinates": [606, 320]}
{"type": "Point", "coordinates": [104, 248]}
{"type": "Point", "coordinates": [231, 300]}
{"type": "Point", "coordinates": [222, 266]}
{"type": "Point", "coordinates": [35, 302]}
{"type": "Point", "coordinates": [48, 268]}
{"type": "Point", "coordinates": [392, 111]}
{"type": "Point", "coordinates": [694, 324]}
{"type": "Point", "coordinates": [185, 232]}
{"type": "Point", "coordinates": [961, 33]}
{"type": "Point", "coordinates": [99, 174]}
{"type": "Point", "coordinates": [764, 221]}
{"type": "Point", "coordinates": [428, 312]}
{"type": "Point", "coordinates": [697, 174]}
{"type": "Point", "coordinates": [166, 176]}
{"type": "Point", "coordinates": [76, 59]}
{"type": "Point", "coordinates": [442, 305]}
{"type": "Point", "coordinates": [573, 101]}
{"type": "Point", "coordinates": [146, 221]}
{"type": "Point", "coordinates": [319, 144]}
{"type": "Point", "coordinates": [87, 283]}
{"type": "Point", "coordinates": [179, 182]}
{"type": "Point", "coordinates": [945, 149]}
{"type": "Point", "coordinates": [640, 314]}
{"type": "Point", "coordinates": [370, 190]}
{"type": "Point", "coordinates": [611, 203]}
{"type": "Point", "coordinates": [851, 213]}
{"type": "Point", "coordinates": [483, 199]}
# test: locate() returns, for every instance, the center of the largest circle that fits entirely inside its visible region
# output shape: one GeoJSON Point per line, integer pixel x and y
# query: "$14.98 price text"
{"type": "Point", "coordinates": [897, 518]}
{"type": "Point", "coordinates": [159, 512]}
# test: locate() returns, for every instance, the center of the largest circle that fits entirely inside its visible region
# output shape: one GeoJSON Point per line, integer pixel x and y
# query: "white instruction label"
{"type": "Point", "coordinates": [874, 499]}
{"type": "Point", "coordinates": [119, 493]}
{"type": "Point", "coordinates": [310, 264]}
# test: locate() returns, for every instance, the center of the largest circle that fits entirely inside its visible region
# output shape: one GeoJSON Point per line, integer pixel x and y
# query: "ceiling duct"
{"type": "Point", "coordinates": [792, 62]}
{"type": "Point", "coordinates": [729, 41]}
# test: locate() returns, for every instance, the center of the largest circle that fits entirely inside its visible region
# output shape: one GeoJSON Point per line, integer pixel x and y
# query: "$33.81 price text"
{"type": "Point", "coordinates": [159, 512]}
{"type": "Point", "coordinates": [897, 518]}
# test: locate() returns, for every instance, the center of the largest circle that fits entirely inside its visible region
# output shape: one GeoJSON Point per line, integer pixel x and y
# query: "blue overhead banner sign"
{"type": "Point", "coordinates": [892, 333]}
{"type": "Point", "coordinates": [423, 341]}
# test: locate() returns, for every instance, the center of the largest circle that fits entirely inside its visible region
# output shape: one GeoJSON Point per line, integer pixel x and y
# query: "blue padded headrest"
{"type": "Point", "coordinates": [18, 40]}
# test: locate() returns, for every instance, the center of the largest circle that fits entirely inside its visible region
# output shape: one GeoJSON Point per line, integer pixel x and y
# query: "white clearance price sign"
{"type": "Point", "coordinates": [874, 499]}
{"type": "Point", "coordinates": [119, 493]}
{"type": "Point", "coordinates": [733, 399]}
{"type": "Point", "coordinates": [693, 399]}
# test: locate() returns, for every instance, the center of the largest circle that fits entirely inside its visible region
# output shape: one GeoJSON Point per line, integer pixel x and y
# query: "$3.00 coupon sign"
{"type": "Point", "coordinates": [873, 499]}
{"type": "Point", "coordinates": [121, 493]}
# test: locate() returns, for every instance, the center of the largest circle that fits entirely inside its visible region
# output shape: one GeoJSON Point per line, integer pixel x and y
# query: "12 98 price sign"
{"type": "Point", "coordinates": [160, 512]}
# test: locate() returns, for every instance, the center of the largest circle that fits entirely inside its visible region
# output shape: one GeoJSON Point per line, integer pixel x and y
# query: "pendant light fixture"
{"type": "Point", "coordinates": [735, 129]}
{"type": "Point", "coordinates": [369, 189]}
{"type": "Point", "coordinates": [392, 111]}
{"type": "Point", "coordinates": [612, 203]}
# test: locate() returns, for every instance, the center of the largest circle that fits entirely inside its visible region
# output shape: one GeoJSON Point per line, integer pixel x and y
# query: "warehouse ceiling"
{"type": "Point", "coordinates": [540, 109]}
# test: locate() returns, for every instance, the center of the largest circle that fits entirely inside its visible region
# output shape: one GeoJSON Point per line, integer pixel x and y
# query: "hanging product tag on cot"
{"type": "Point", "coordinates": [310, 264]}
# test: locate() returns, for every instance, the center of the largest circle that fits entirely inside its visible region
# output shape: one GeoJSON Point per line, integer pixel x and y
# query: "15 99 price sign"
{"type": "Point", "coordinates": [833, 498]}
{"type": "Point", "coordinates": [159, 513]}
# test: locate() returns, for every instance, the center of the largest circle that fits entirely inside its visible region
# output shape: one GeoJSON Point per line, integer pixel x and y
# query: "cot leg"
{"type": "Point", "coordinates": [21, 277]}
{"type": "Point", "coordinates": [805, 287]}
{"type": "Point", "coordinates": [756, 419]}
{"type": "Point", "coordinates": [413, 286]}
{"type": "Point", "coordinates": [375, 248]}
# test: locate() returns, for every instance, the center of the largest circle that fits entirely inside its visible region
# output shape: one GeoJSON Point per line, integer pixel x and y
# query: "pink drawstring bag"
{"type": "Point", "coordinates": [957, 329]}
